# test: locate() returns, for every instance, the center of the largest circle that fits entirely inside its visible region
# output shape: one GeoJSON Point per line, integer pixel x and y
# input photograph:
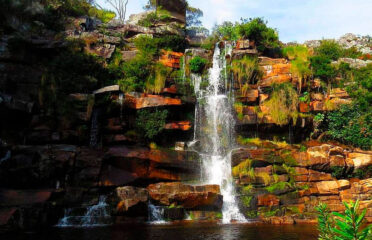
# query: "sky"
{"type": "Point", "coordinates": [295, 20]}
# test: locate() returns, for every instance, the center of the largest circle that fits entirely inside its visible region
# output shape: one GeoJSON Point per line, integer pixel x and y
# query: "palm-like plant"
{"type": "Point", "coordinates": [348, 225]}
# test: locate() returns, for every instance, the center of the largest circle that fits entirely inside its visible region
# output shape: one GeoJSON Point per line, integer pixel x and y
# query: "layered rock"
{"type": "Point", "coordinates": [187, 196]}
{"type": "Point", "coordinates": [288, 183]}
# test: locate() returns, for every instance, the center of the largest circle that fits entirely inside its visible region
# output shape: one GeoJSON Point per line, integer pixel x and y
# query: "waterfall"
{"type": "Point", "coordinates": [214, 124]}
{"type": "Point", "coordinates": [155, 214]}
{"type": "Point", "coordinates": [96, 215]}
{"type": "Point", "coordinates": [121, 99]}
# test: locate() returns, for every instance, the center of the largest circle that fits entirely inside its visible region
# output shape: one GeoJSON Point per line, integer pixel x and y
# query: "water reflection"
{"type": "Point", "coordinates": [190, 231]}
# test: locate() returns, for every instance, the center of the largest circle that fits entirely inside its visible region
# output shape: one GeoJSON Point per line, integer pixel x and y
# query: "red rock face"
{"type": "Point", "coordinates": [274, 71]}
{"type": "Point", "coordinates": [180, 125]}
{"type": "Point", "coordinates": [187, 196]}
{"type": "Point", "coordinates": [267, 200]}
{"type": "Point", "coordinates": [145, 101]}
{"type": "Point", "coordinates": [171, 59]}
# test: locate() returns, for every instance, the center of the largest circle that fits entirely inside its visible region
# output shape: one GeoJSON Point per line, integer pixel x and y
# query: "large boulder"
{"type": "Point", "coordinates": [187, 196]}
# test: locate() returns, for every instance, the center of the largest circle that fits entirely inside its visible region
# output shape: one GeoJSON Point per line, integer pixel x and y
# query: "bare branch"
{"type": "Point", "coordinates": [120, 7]}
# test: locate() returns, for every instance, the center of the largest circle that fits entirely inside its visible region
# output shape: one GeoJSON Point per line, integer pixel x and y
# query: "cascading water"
{"type": "Point", "coordinates": [155, 214]}
{"type": "Point", "coordinates": [214, 129]}
{"type": "Point", "coordinates": [96, 215]}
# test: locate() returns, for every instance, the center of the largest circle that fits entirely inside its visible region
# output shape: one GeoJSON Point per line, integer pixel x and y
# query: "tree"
{"type": "Point", "coordinates": [120, 7]}
{"type": "Point", "coordinates": [256, 29]}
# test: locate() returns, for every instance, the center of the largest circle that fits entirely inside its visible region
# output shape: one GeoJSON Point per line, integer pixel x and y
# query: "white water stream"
{"type": "Point", "coordinates": [214, 129]}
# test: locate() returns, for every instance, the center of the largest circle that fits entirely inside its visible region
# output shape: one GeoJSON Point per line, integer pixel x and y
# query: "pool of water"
{"type": "Point", "coordinates": [185, 231]}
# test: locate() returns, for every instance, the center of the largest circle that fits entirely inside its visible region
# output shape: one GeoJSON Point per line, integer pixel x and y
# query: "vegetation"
{"type": "Point", "coordinates": [150, 123]}
{"type": "Point", "coordinates": [256, 29]}
{"type": "Point", "coordinates": [300, 64]}
{"type": "Point", "coordinates": [347, 226]}
{"type": "Point", "coordinates": [246, 71]}
{"type": "Point", "coordinates": [155, 17]}
{"type": "Point", "coordinates": [283, 104]}
{"type": "Point", "coordinates": [351, 125]}
{"type": "Point", "coordinates": [197, 64]}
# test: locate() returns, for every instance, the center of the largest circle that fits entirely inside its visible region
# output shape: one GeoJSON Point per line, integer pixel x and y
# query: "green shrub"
{"type": "Point", "coordinates": [197, 64]}
{"type": "Point", "coordinates": [256, 29]}
{"type": "Point", "coordinates": [151, 123]}
{"type": "Point", "coordinates": [136, 72]}
{"type": "Point", "coordinates": [351, 125]}
{"type": "Point", "coordinates": [329, 49]}
{"type": "Point", "coordinates": [322, 68]}
{"type": "Point", "coordinates": [147, 45]}
{"type": "Point", "coordinates": [227, 31]}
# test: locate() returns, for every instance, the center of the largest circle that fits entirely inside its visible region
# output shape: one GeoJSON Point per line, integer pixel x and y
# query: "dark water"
{"type": "Point", "coordinates": [194, 231]}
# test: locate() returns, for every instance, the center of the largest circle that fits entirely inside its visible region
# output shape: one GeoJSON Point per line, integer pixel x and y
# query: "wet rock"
{"type": "Point", "coordinates": [187, 196]}
{"type": "Point", "coordinates": [130, 196]}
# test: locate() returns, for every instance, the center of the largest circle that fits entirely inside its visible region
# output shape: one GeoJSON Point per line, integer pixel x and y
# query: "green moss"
{"type": "Point", "coordinates": [219, 215]}
{"type": "Point", "coordinates": [246, 200]}
{"type": "Point", "coordinates": [279, 186]}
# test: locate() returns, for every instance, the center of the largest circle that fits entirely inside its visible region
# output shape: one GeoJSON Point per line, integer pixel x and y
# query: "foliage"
{"type": "Point", "coordinates": [279, 186]}
{"type": "Point", "coordinates": [264, 176]}
{"type": "Point", "coordinates": [322, 68]}
{"type": "Point", "coordinates": [243, 168]}
{"type": "Point", "coordinates": [256, 29]}
{"type": "Point", "coordinates": [197, 64]}
{"type": "Point", "coordinates": [246, 200]}
{"type": "Point", "coordinates": [300, 64]}
{"type": "Point", "coordinates": [151, 45]}
{"type": "Point", "coordinates": [245, 70]}
{"type": "Point", "coordinates": [226, 31]}
{"type": "Point", "coordinates": [329, 49]}
{"type": "Point", "coordinates": [155, 82]}
{"type": "Point", "coordinates": [283, 104]}
{"type": "Point", "coordinates": [347, 226]}
{"type": "Point", "coordinates": [152, 18]}
{"type": "Point", "coordinates": [136, 72]}
{"type": "Point", "coordinates": [102, 14]}
{"type": "Point", "coordinates": [305, 98]}
{"type": "Point", "coordinates": [360, 87]}
{"type": "Point", "coordinates": [325, 222]}
{"type": "Point", "coordinates": [147, 45]}
{"type": "Point", "coordinates": [351, 125]}
{"type": "Point", "coordinates": [151, 123]}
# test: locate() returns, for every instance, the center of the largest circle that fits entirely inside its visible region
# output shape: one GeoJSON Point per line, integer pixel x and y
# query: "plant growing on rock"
{"type": "Point", "coordinates": [151, 123]}
{"type": "Point", "coordinates": [245, 70]}
{"type": "Point", "coordinates": [283, 104]}
{"type": "Point", "coordinates": [300, 64]}
{"type": "Point", "coordinates": [197, 64]}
